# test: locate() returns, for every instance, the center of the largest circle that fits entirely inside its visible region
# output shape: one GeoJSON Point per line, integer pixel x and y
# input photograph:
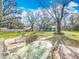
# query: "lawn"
{"type": "Point", "coordinates": [41, 34]}
{"type": "Point", "coordinates": [69, 34]}
{"type": "Point", "coordinates": [44, 34]}
{"type": "Point", "coordinates": [72, 34]}
{"type": "Point", "coordinates": [9, 34]}
{"type": "Point", "coordinates": [72, 38]}
{"type": "Point", "coordinates": [15, 34]}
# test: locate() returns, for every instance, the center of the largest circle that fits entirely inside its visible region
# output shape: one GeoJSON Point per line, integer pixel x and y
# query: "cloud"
{"type": "Point", "coordinates": [72, 4]}
{"type": "Point", "coordinates": [24, 13]}
{"type": "Point", "coordinates": [71, 7]}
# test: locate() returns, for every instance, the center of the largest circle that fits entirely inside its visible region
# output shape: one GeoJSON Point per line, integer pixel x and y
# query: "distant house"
{"type": "Point", "coordinates": [27, 28]}
{"type": "Point", "coordinates": [53, 28]}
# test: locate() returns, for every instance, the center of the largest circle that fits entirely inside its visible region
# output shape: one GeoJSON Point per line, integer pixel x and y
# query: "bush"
{"type": "Point", "coordinates": [76, 27]}
{"type": "Point", "coordinates": [32, 37]}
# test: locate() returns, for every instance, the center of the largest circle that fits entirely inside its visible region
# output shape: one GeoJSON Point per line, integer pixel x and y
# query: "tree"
{"type": "Point", "coordinates": [76, 27]}
{"type": "Point", "coordinates": [11, 23]}
{"type": "Point", "coordinates": [57, 11]}
{"type": "Point", "coordinates": [0, 8]}
{"type": "Point", "coordinates": [32, 20]}
{"type": "Point", "coordinates": [9, 7]}
{"type": "Point", "coordinates": [0, 11]}
{"type": "Point", "coordinates": [40, 21]}
{"type": "Point", "coordinates": [11, 15]}
{"type": "Point", "coordinates": [73, 21]}
{"type": "Point", "coordinates": [43, 21]}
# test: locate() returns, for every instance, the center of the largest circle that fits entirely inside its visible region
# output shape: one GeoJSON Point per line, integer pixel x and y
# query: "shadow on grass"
{"type": "Point", "coordinates": [71, 42]}
{"type": "Point", "coordinates": [68, 41]}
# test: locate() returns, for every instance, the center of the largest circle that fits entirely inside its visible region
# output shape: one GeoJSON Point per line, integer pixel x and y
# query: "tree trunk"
{"type": "Point", "coordinates": [58, 27]}
{"type": "Point", "coordinates": [40, 28]}
{"type": "Point", "coordinates": [32, 27]}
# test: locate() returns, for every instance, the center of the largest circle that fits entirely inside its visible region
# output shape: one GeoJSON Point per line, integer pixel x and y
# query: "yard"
{"type": "Point", "coordinates": [72, 34]}
{"type": "Point", "coordinates": [9, 34]}
{"type": "Point", "coordinates": [72, 38]}
{"type": "Point", "coordinates": [15, 34]}
{"type": "Point", "coordinates": [69, 34]}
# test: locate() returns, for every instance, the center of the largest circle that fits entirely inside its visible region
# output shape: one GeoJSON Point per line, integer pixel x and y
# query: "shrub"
{"type": "Point", "coordinates": [32, 37]}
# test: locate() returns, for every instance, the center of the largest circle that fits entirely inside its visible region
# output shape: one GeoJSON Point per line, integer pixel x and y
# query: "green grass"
{"type": "Point", "coordinates": [44, 34]}
{"type": "Point", "coordinates": [9, 34]}
{"type": "Point", "coordinates": [72, 38]}
{"type": "Point", "coordinates": [72, 35]}
{"type": "Point", "coordinates": [15, 34]}
{"type": "Point", "coordinates": [41, 34]}
{"type": "Point", "coordinates": [69, 34]}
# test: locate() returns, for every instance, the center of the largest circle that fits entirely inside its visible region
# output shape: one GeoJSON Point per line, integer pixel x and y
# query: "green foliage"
{"type": "Point", "coordinates": [11, 24]}
{"type": "Point", "coordinates": [76, 27]}
{"type": "Point", "coordinates": [0, 1]}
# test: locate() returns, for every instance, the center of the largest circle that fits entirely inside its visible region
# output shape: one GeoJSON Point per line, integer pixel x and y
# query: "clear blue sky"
{"type": "Point", "coordinates": [34, 4]}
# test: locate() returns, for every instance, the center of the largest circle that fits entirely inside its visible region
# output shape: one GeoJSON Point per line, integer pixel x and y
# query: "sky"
{"type": "Point", "coordinates": [29, 4]}
{"type": "Point", "coordinates": [34, 4]}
